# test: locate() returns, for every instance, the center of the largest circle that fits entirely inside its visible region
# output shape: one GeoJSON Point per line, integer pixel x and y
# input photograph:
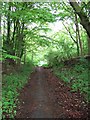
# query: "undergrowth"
{"type": "Point", "coordinates": [77, 76]}
{"type": "Point", "coordinates": [75, 72]}
{"type": "Point", "coordinates": [11, 85]}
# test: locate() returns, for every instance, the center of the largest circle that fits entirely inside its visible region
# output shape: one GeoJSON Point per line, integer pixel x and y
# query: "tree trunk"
{"type": "Point", "coordinates": [14, 32]}
{"type": "Point", "coordinates": [78, 53]}
{"type": "Point", "coordinates": [19, 40]}
{"type": "Point", "coordinates": [0, 24]}
{"type": "Point", "coordinates": [78, 35]}
{"type": "Point", "coordinates": [32, 55]}
{"type": "Point", "coordinates": [8, 25]}
{"type": "Point", "coordinates": [83, 17]}
{"type": "Point", "coordinates": [0, 16]}
{"type": "Point", "coordinates": [3, 31]}
{"type": "Point", "coordinates": [25, 55]}
{"type": "Point", "coordinates": [80, 43]}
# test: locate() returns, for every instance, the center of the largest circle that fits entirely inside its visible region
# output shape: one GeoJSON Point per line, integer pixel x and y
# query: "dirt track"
{"type": "Point", "coordinates": [45, 96]}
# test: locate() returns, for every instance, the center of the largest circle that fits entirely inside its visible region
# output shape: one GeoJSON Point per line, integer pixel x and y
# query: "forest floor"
{"type": "Point", "coordinates": [45, 96]}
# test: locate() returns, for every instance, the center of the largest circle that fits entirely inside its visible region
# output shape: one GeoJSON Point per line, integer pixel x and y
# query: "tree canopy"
{"type": "Point", "coordinates": [49, 34]}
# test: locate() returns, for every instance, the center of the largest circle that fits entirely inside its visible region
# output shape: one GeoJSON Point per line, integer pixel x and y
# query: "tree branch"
{"type": "Point", "coordinates": [70, 33]}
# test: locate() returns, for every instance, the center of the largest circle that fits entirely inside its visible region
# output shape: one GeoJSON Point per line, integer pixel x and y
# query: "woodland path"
{"type": "Point", "coordinates": [44, 96]}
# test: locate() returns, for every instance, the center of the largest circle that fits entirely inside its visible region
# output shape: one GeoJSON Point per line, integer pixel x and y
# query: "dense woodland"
{"type": "Point", "coordinates": [29, 39]}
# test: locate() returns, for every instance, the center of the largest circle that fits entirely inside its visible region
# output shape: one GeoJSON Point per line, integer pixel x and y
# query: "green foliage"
{"type": "Point", "coordinates": [6, 56]}
{"type": "Point", "coordinates": [55, 57]}
{"type": "Point", "coordinates": [62, 75]}
{"type": "Point", "coordinates": [11, 85]}
{"type": "Point", "coordinates": [16, 19]}
{"type": "Point", "coordinates": [52, 58]}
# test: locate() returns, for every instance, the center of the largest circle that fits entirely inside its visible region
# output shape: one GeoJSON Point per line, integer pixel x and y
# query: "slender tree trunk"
{"type": "Point", "coordinates": [0, 24]}
{"type": "Point", "coordinates": [14, 31]}
{"type": "Point", "coordinates": [19, 40]}
{"type": "Point", "coordinates": [32, 55]}
{"type": "Point", "coordinates": [25, 55]}
{"type": "Point", "coordinates": [78, 52]}
{"type": "Point", "coordinates": [78, 35]}
{"type": "Point", "coordinates": [0, 17]}
{"type": "Point", "coordinates": [1, 45]}
{"type": "Point", "coordinates": [3, 31]}
{"type": "Point", "coordinates": [8, 25]}
{"type": "Point", "coordinates": [80, 43]}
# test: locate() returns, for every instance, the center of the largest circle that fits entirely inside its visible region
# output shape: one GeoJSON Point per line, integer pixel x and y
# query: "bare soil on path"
{"type": "Point", "coordinates": [45, 96]}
